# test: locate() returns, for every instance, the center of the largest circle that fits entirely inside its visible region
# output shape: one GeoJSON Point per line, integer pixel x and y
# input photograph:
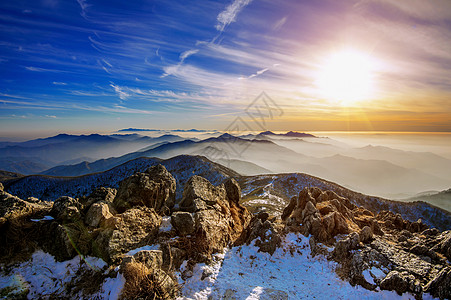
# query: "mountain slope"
{"type": "Point", "coordinates": [181, 167]}
{"type": "Point", "coordinates": [441, 199]}
{"type": "Point", "coordinates": [273, 192]}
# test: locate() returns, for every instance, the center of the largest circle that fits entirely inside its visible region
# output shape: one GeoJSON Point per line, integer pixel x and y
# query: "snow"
{"type": "Point", "coordinates": [371, 274]}
{"type": "Point", "coordinates": [290, 273]}
{"type": "Point", "coordinates": [42, 275]}
{"type": "Point", "coordinates": [111, 288]}
{"type": "Point", "coordinates": [45, 218]}
{"type": "Point", "coordinates": [147, 247]}
{"type": "Point", "coordinates": [166, 224]}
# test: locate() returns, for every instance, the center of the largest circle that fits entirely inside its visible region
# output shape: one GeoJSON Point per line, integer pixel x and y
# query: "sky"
{"type": "Point", "coordinates": [98, 66]}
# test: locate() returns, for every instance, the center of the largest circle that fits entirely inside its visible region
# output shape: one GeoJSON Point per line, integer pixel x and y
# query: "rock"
{"type": "Point", "coordinates": [219, 220]}
{"type": "Point", "coordinates": [366, 234]}
{"type": "Point", "coordinates": [265, 235]}
{"type": "Point", "coordinates": [355, 239]}
{"type": "Point", "coordinates": [103, 195]}
{"type": "Point", "coordinates": [173, 257]}
{"type": "Point", "coordinates": [417, 226]}
{"type": "Point", "coordinates": [394, 281]}
{"type": "Point", "coordinates": [419, 249]}
{"type": "Point", "coordinates": [309, 210]}
{"type": "Point", "coordinates": [445, 245]}
{"type": "Point", "coordinates": [183, 222]}
{"type": "Point", "coordinates": [263, 216]}
{"type": "Point", "coordinates": [200, 194]}
{"type": "Point", "coordinates": [431, 232]}
{"type": "Point", "coordinates": [233, 190]}
{"type": "Point", "coordinates": [289, 209]}
{"type": "Point", "coordinates": [97, 214]}
{"type": "Point", "coordinates": [152, 259]}
{"type": "Point", "coordinates": [342, 248]}
{"type": "Point", "coordinates": [155, 189]}
{"type": "Point", "coordinates": [440, 286]}
{"type": "Point", "coordinates": [66, 209]}
{"type": "Point", "coordinates": [138, 227]}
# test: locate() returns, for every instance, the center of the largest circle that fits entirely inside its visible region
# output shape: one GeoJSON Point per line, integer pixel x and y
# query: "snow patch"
{"type": "Point", "coordinates": [42, 275]}
{"type": "Point", "coordinates": [45, 218]}
{"type": "Point", "coordinates": [147, 247]}
{"type": "Point", "coordinates": [166, 224]}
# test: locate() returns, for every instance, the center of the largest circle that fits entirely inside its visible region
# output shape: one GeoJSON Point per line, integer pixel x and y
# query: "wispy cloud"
{"type": "Point", "coordinates": [36, 69]}
{"type": "Point", "coordinates": [84, 5]}
{"type": "Point", "coordinates": [228, 15]}
{"type": "Point", "coordinates": [187, 53]}
{"type": "Point", "coordinates": [59, 83]}
{"type": "Point", "coordinates": [259, 72]}
{"type": "Point", "coordinates": [123, 95]}
{"type": "Point", "coordinates": [280, 23]}
{"type": "Point", "coordinates": [50, 116]}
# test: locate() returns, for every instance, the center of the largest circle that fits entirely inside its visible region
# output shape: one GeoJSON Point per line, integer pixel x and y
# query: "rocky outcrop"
{"type": "Point", "coordinates": [16, 228]}
{"type": "Point", "coordinates": [265, 234]}
{"type": "Point", "coordinates": [134, 228]}
{"type": "Point", "coordinates": [217, 217]}
{"type": "Point", "coordinates": [100, 195]}
{"type": "Point", "coordinates": [322, 214]}
{"type": "Point", "coordinates": [98, 214]}
{"type": "Point", "coordinates": [384, 251]}
{"type": "Point", "coordinates": [66, 209]}
{"type": "Point", "coordinates": [155, 189]}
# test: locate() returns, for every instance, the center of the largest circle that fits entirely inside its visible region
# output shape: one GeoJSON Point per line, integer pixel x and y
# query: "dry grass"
{"type": "Point", "coordinates": [143, 283]}
{"type": "Point", "coordinates": [17, 240]}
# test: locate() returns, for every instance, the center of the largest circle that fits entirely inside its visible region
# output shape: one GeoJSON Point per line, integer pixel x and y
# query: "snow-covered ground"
{"type": "Point", "coordinates": [44, 277]}
{"type": "Point", "coordinates": [238, 273]}
{"type": "Point", "coordinates": [290, 273]}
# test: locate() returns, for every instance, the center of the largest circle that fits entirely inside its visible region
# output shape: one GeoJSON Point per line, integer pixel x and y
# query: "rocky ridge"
{"type": "Point", "coordinates": [146, 234]}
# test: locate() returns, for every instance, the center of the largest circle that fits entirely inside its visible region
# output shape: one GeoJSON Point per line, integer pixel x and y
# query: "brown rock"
{"type": "Point", "coordinates": [97, 214]}
{"type": "Point", "coordinates": [138, 227]}
{"type": "Point", "coordinates": [183, 222]}
{"type": "Point", "coordinates": [155, 189]}
{"type": "Point", "coordinates": [366, 234]}
{"type": "Point", "coordinates": [200, 194]}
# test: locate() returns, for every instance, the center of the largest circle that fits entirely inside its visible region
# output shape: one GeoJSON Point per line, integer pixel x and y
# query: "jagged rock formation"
{"type": "Point", "coordinates": [155, 188]}
{"type": "Point", "coordinates": [109, 224]}
{"type": "Point", "coordinates": [413, 258]}
{"type": "Point", "coordinates": [382, 250]}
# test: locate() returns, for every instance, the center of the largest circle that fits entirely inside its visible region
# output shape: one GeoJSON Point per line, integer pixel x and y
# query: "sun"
{"type": "Point", "coordinates": [346, 77]}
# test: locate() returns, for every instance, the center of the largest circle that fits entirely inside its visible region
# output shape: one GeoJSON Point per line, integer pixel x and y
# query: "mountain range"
{"type": "Point", "coordinates": [35, 156]}
{"type": "Point", "coordinates": [374, 170]}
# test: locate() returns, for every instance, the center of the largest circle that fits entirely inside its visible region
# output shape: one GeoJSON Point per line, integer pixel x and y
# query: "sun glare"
{"type": "Point", "coordinates": [346, 77]}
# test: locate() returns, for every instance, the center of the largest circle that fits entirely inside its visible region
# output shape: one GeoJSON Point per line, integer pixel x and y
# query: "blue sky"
{"type": "Point", "coordinates": [98, 66]}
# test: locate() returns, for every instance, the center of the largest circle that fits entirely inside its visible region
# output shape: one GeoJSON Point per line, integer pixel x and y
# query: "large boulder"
{"type": "Point", "coordinates": [400, 282]}
{"type": "Point", "coordinates": [155, 189]}
{"type": "Point", "coordinates": [183, 222]}
{"type": "Point", "coordinates": [219, 219]}
{"type": "Point", "coordinates": [101, 194]}
{"type": "Point", "coordinates": [17, 230]}
{"type": "Point", "coordinates": [66, 209]}
{"type": "Point", "coordinates": [97, 214]}
{"type": "Point", "coordinates": [199, 194]}
{"type": "Point", "coordinates": [137, 227]}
